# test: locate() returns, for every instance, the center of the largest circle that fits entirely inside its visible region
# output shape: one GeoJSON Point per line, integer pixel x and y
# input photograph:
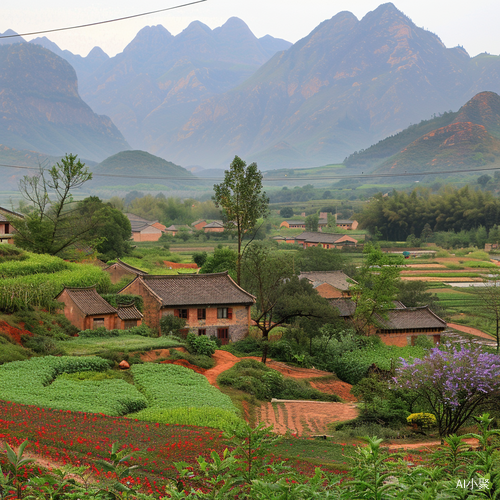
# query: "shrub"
{"type": "Point", "coordinates": [195, 359]}
{"type": "Point", "coordinates": [422, 420]}
{"type": "Point", "coordinates": [424, 342]}
{"type": "Point", "coordinates": [116, 300]}
{"type": "Point", "coordinates": [171, 325]}
{"type": "Point", "coordinates": [200, 344]}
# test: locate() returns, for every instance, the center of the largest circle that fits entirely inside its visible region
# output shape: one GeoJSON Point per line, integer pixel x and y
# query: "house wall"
{"type": "Point", "coordinates": [151, 310]}
{"type": "Point", "coordinates": [200, 225]}
{"type": "Point", "coordinates": [150, 233]}
{"type": "Point", "coordinates": [404, 339]}
{"type": "Point", "coordinates": [110, 321]}
{"type": "Point", "coordinates": [117, 272]}
{"type": "Point", "coordinates": [213, 229]}
{"type": "Point", "coordinates": [120, 323]}
{"type": "Point", "coordinates": [237, 325]}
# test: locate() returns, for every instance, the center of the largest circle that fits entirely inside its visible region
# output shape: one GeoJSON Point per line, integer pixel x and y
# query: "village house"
{"type": "Point", "coordinates": [87, 310]}
{"type": "Point", "coordinates": [324, 240]}
{"type": "Point", "coordinates": [293, 224]}
{"type": "Point", "coordinates": [328, 284]}
{"type": "Point", "coordinates": [346, 224]}
{"type": "Point", "coordinates": [175, 228]}
{"type": "Point", "coordinates": [403, 324]}
{"type": "Point", "coordinates": [120, 269]}
{"type": "Point", "coordinates": [217, 226]}
{"type": "Point", "coordinates": [199, 224]}
{"type": "Point", "coordinates": [145, 230]}
{"type": "Point", "coordinates": [211, 304]}
{"type": "Point", "coordinates": [6, 229]}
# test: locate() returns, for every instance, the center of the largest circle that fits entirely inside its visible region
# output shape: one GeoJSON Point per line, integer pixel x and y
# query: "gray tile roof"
{"type": "Point", "coordinates": [4, 212]}
{"type": "Point", "coordinates": [197, 289]}
{"type": "Point", "coordinates": [337, 279]}
{"type": "Point", "coordinates": [344, 221]}
{"type": "Point", "coordinates": [127, 267]}
{"type": "Point", "coordinates": [414, 317]}
{"type": "Point", "coordinates": [129, 311]}
{"type": "Point", "coordinates": [215, 223]}
{"type": "Point", "coordinates": [317, 237]}
{"type": "Point", "coordinates": [89, 301]}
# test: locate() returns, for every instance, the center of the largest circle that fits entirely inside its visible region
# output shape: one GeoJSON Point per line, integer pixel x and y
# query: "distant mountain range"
{"type": "Point", "coordinates": [203, 96]}
{"type": "Point", "coordinates": [462, 140]}
{"type": "Point", "coordinates": [40, 109]}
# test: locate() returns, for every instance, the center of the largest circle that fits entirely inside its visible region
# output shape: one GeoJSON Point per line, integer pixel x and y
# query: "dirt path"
{"type": "Point", "coordinates": [471, 331]}
{"type": "Point", "coordinates": [292, 371]}
{"type": "Point", "coordinates": [224, 360]}
{"type": "Point", "coordinates": [418, 446]}
{"type": "Point", "coordinates": [304, 418]}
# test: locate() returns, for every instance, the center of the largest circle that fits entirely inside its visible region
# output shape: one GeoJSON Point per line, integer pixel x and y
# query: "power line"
{"type": "Point", "coordinates": [103, 22]}
{"type": "Point", "coordinates": [280, 179]}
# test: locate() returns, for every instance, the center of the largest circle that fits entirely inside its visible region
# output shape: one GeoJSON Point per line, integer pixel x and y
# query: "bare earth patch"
{"type": "Point", "coordinates": [304, 418]}
{"type": "Point", "coordinates": [342, 389]}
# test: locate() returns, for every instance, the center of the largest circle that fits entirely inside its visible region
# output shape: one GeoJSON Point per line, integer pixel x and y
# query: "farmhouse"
{"type": "Point", "coordinates": [328, 284]}
{"type": "Point", "coordinates": [217, 226]}
{"type": "Point", "coordinates": [346, 224]}
{"type": "Point", "coordinates": [293, 224]}
{"type": "Point", "coordinates": [199, 224]}
{"type": "Point", "coordinates": [325, 240]}
{"type": "Point", "coordinates": [403, 324]}
{"type": "Point", "coordinates": [145, 230]}
{"type": "Point", "coordinates": [120, 269]}
{"type": "Point", "coordinates": [6, 229]}
{"type": "Point", "coordinates": [128, 316]}
{"type": "Point", "coordinates": [211, 304]}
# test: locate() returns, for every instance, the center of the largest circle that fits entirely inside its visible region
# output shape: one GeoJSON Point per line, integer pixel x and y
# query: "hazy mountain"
{"type": "Point", "coordinates": [40, 108]}
{"type": "Point", "coordinates": [152, 87]}
{"type": "Point", "coordinates": [129, 168]}
{"type": "Point", "coordinates": [343, 87]}
{"type": "Point", "coordinates": [461, 140]}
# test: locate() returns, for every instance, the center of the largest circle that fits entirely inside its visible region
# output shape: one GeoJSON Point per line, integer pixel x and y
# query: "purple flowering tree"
{"type": "Point", "coordinates": [455, 383]}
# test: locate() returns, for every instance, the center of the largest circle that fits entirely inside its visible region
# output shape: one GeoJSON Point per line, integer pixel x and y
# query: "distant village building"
{"type": "Point", "coordinates": [175, 228]}
{"type": "Point", "coordinates": [347, 224]}
{"type": "Point", "coordinates": [217, 226]}
{"type": "Point", "coordinates": [87, 310]}
{"type": "Point", "coordinates": [293, 224]}
{"type": "Point", "coordinates": [6, 229]}
{"type": "Point", "coordinates": [120, 269]}
{"type": "Point", "coordinates": [211, 304]}
{"type": "Point", "coordinates": [324, 240]}
{"type": "Point", "coordinates": [328, 284]}
{"type": "Point", "coordinates": [145, 230]}
{"type": "Point", "coordinates": [199, 224]}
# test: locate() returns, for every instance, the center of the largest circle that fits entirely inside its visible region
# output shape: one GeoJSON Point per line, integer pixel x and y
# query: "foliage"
{"type": "Point", "coordinates": [102, 332]}
{"type": "Point", "coordinates": [11, 352]}
{"type": "Point", "coordinates": [454, 382]}
{"type": "Point", "coordinates": [36, 382]}
{"type": "Point", "coordinates": [281, 296]}
{"type": "Point", "coordinates": [200, 344]}
{"type": "Point", "coordinates": [32, 264]}
{"type": "Point", "coordinates": [11, 253]}
{"type": "Point", "coordinates": [265, 383]}
{"type": "Point", "coordinates": [414, 294]}
{"type": "Point", "coordinates": [223, 259]}
{"type": "Point", "coordinates": [200, 258]}
{"type": "Point", "coordinates": [375, 289]}
{"type": "Point", "coordinates": [200, 360]}
{"type": "Point", "coordinates": [171, 325]}
{"type": "Point", "coordinates": [489, 302]}
{"type": "Point", "coordinates": [422, 420]}
{"type": "Point", "coordinates": [322, 259]}
{"type": "Point", "coordinates": [53, 225]}
{"type": "Point", "coordinates": [242, 201]}
{"type": "Point", "coordinates": [116, 300]}
{"type": "Point", "coordinates": [312, 222]}
{"type": "Point", "coordinates": [286, 212]}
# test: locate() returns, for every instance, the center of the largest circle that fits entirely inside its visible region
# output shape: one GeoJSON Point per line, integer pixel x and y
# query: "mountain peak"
{"type": "Point", "coordinates": [150, 36]}
{"type": "Point", "coordinates": [482, 109]}
{"type": "Point", "coordinates": [13, 39]}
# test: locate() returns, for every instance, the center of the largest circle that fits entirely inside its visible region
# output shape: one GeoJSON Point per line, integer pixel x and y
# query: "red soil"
{"type": "Point", "coordinates": [304, 418]}
{"type": "Point", "coordinates": [224, 360]}
{"type": "Point", "coordinates": [159, 353]}
{"type": "Point", "coordinates": [419, 446]}
{"type": "Point", "coordinates": [13, 332]}
{"type": "Point", "coordinates": [292, 371]}
{"type": "Point", "coordinates": [342, 389]}
{"type": "Point", "coordinates": [471, 331]}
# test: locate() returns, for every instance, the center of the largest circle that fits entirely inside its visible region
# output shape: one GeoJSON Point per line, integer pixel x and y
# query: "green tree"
{"type": "Point", "coordinates": [312, 222]}
{"type": "Point", "coordinates": [280, 295]}
{"type": "Point", "coordinates": [286, 212]}
{"type": "Point", "coordinates": [223, 259]}
{"type": "Point", "coordinates": [375, 289]}
{"type": "Point", "coordinates": [54, 223]}
{"type": "Point", "coordinates": [242, 201]}
{"type": "Point", "coordinates": [415, 294]}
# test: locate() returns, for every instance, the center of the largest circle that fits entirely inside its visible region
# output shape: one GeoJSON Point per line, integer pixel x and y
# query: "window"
{"type": "Point", "coordinates": [202, 314]}
{"type": "Point", "coordinates": [98, 322]}
{"type": "Point", "coordinates": [223, 335]}
{"type": "Point", "coordinates": [181, 313]}
{"type": "Point", "coordinates": [202, 331]}
{"type": "Point", "coordinates": [225, 313]}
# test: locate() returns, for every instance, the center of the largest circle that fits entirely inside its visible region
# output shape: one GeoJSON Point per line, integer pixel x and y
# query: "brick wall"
{"type": "Point", "coordinates": [151, 309]}
{"type": "Point", "coordinates": [117, 272]}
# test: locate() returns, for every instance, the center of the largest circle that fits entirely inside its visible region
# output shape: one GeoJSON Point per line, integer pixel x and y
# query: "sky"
{"type": "Point", "coordinates": [472, 25]}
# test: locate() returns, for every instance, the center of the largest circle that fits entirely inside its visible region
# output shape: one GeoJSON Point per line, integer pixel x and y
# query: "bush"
{"type": "Point", "coordinates": [116, 300]}
{"type": "Point", "coordinates": [11, 352]}
{"type": "Point", "coordinates": [424, 342]}
{"type": "Point", "coordinates": [171, 325]}
{"type": "Point", "coordinates": [195, 359]}
{"type": "Point", "coordinates": [422, 420]}
{"type": "Point", "coordinates": [100, 332]}
{"type": "Point", "coordinates": [200, 344]}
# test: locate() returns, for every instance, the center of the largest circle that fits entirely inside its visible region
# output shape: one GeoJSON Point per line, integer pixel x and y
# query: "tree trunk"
{"type": "Point", "coordinates": [265, 339]}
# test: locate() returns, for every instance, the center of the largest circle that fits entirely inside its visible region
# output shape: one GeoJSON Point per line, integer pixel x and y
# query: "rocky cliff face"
{"type": "Point", "coordinates": [41, 110]}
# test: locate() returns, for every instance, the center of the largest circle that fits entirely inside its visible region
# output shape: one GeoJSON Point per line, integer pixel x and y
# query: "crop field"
{"type": "Point", "coordinates": [82, 346]}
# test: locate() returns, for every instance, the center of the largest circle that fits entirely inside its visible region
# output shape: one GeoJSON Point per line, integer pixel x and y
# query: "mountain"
{"type": "Point", "coordinates": [40, 108]}
{"type": "Point", "coordinates": [129, 168]}
{"type": "Point", "coordinates": [152, 87]}
{"type": "Point", "coordinates": [346, 85]}
{"type": "Point", "coordinates": [470, 139]}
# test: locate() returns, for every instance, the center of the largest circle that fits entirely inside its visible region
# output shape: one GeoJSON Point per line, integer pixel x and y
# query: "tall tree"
{"type": "Point", "coordinates": [375, 289]}
{"type": "Point", "coordinates": [281, 296]}
{"type": "Point", "coordinates": [242, 201]}
{"type": "Point", "coordinates": [489, 302]}
{"type": "Point", "coordinates": [312, 222]}
{"type": "Point", "coordinates": [54, 222]}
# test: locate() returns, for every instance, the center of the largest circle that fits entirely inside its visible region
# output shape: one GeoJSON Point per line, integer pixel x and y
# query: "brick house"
{"type": "Point", "coordinates": [145, 230]}
{"type": "Point", "coordinates": [174, 229]}
{"type": "Point", "coordinates": [217, 226]}
{"type": "Point", "coordinates": [211, 304]}
{"type": "Point", "coordinates": [120, 269]}
{"type": "Point", "coordinates": [87, 310]}
{"type": "Point", "coordinates": [325, 240]}
{"type": "Point", "coordinates": [328, 284]}
{"type": "Point", "coordinates": [199, 224]}
{"type": "Point", "coordinates": [293, 224]}
{"type": "Point", "coordinates": [6, 229]}
{"type": "Point", "coordinates": [347, 224]}
{"type": "Point", "coordinates": [403, 324]}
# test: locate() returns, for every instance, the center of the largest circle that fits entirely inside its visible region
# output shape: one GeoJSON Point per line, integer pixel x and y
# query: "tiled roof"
{"type": "Point", "coordinates": [138, 226]}
{"type": "Point", "coordinates": [337, 279]}
{"type": "Point", "coordinates": [317, 237]}
{"type": "Point", "coordinates": [197, 289]}
{"type": "Point", "coordinates": [295, 222]}
{"type": "Point", "coordinates": [176, 227]}
{"type": "Point", "coordinates": [129, 311]}
{"type": "Point", "coordinates": [215, 223]}
{"type": "Point", "coordinates": [136, 218]}
{"type": "Point", "coordinates": [344, 221]}
{"type": "Point", "coordinates": [4, 212]}
{"type": "Point", "coordinates": [414, 317]}
{"type": "Point", "coordinates": [89, 301]}
{"type": "Point", "coordinates": [127, 267]}
{"type": "Point", "coordinates": [322, 222]}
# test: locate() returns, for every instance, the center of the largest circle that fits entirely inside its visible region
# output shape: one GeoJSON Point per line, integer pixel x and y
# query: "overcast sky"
{"type": "Point", "coordinates": [473, 25]}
